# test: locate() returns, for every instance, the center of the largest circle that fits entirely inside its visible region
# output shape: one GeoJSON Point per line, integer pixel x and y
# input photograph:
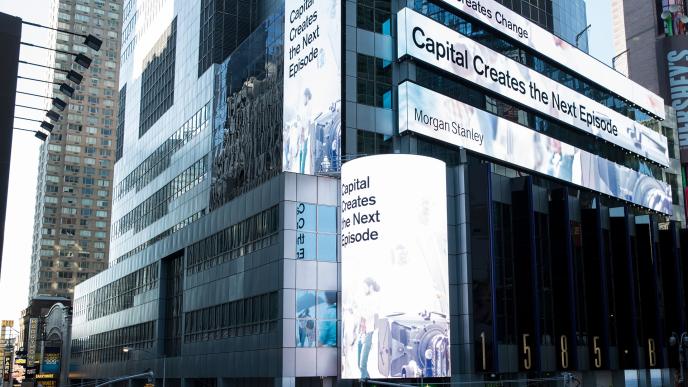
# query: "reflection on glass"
{"type": "Point", "coordinates": [305, 217]}
{"type": "Point", "coordinates": [327, 219]}
{"type": "Point", "coordinates": [327, 247]}
{"type": "Point", "coordinates": [327, 333]}
{"type": "Point", "coordinates": [305, 245]}
{"type": "Point", "coordinates": [327, 305]}
{"type": "Point", "coordinates": [305, 333]}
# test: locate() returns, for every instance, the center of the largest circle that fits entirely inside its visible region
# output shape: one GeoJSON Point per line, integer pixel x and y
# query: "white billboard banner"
{"type": "Point", "coordinates": [312, 86]}
{"type": "Point", "coordinates": [434, 115]}
{"type": "Point", "coordinates": [395, 283]}
{"type": "Point", "coordinates": [517, 27]}
{"type": "Point", "coordinates": [437, 45]}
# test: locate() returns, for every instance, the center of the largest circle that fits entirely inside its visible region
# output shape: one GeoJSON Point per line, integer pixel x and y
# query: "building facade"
{"type": "Point", "coordinates": [228, 219]}
{"type": "Point", "coordinates": [74, 188]}
{"type": "Point", "coordinates": [565, 18]}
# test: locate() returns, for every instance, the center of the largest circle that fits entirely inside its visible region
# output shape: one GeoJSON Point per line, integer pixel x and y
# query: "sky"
{"type": "Point", "coordinates": [14, 279]}
{"type": "Point", "coordinates": [16, 257]}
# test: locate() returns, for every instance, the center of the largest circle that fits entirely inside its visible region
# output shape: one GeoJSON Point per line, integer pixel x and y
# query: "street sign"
{"type": "Point", "coordinates": [33, 338]}
{"type": "Point", "coordinates": [7, 366]}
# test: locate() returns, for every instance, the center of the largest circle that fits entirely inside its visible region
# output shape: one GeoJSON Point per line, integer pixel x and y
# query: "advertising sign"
{"type": "Point", "coordinates": [675, 51]}
{"type": "Point", "coordinates": [395, 292]}
{"type": "Point", "coordinates": [434, 115]}
{"type": "Point", "coordinates": [437, 45]}
{"type": "Point", "coordinates": [32, 340]}
{"type": "Point", "coordinates": [517, 27]}
{"type": "Point", "coordinates": [51, 360]}
{"type": "Point", "coordinates": [312, 86]}
{"type": "Point", "coordinates": [7, 366]}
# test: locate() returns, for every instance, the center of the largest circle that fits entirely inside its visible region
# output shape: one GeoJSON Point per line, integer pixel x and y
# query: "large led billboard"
{"type": "Point", "coordinates": [437, 116]}
{"type": "Point", "coordinates": [395, 291]}
{"type": "Point", "coordinates": [520, 29]}
{"type": "Point", "coordinates": [673, 69]}
{"type": "Point", "coordinates": [312, 86]}
{"type": "Point", "coordinates": [437, 45]}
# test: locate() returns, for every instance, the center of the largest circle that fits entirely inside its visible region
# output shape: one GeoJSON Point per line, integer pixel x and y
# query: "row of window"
{"type": "Point", "coordinates": [73, 201]}
{"type": "Point", "coordinates": [156, 206]}
{"type": "Point", "coordinates": [46, 263]}
{"type": "Point", "coordinates": [86, 191]}
{"type": "Point", "coordinates": [257, 232]}
{"type": "Point", "coordinates": [108, 346]}
{"type": "Point", "coordinates": [160, 236]}
{"type": "Point", "coordinates": [65, 220]}
{"type": "Point", "coordinates": [117, 295]}
{"type": "Point", "coordinates": [72, 231]}
{"type": "Point", "coordinates": [160, 159]}
{"type": "Point", "coordinates": [248, 316]}
{"type": "Point", "coordinates": [86, 180]}
{"type": "Point", "coordinates": [66, 253]}
{"type": "Point", "coordinates": [89, 150]}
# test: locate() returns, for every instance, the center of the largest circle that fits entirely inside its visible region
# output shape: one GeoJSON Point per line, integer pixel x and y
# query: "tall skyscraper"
{"type": "Point", "coordinates": [74, 188]}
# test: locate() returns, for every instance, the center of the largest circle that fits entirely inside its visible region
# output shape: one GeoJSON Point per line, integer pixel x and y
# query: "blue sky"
{"type": "Point", "coordinates": [600, 34]}
{"type": "Point", "coordinates": [16, 258]}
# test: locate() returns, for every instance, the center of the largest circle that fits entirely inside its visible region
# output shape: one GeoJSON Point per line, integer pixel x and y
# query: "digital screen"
{"type": "Point", "coordinates": [437, 45]}
{"type": "Point", "coordinates": [530, 34]}
{"type": "Point", "coordinates": [434, 115]}
{"type": "Point", "coordinates": [676, 53]}
{"type": "Point", "coordinates": [395, 291]}
{"type": "Point", "coordinates": [51, 360]}
{"type": "Point", "coordinates": [312, 86]}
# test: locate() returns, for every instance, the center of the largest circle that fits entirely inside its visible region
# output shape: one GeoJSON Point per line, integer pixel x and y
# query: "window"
{"type": "Point", "coordinates": [157, 79]}
{"type": "Point", "coordinates": [316, 239]}
{"type": "Point", "coordinates": [374, 81]}
{"type": "Point", "coordinates": [316, 314]}
{"type": "Point", "coordinates": [374, 15]}
{"type": "Point", "coordinates": [73, 148]}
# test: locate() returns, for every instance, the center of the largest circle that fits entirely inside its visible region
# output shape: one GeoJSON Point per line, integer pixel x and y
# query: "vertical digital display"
{"type": "Point", "coordinates": [395, 291]}
{"type": "Point", "coordinates": [312, 86]}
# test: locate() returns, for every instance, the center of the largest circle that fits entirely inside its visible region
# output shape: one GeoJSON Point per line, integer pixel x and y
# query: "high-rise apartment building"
{"type": "Point", "coordinates": [232, 227]}
{"type": "Point", "coordinates": [74, 188]}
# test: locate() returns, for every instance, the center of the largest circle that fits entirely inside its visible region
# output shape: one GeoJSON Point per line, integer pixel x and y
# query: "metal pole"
{"type": "Point", "coordinates": [164, 368]}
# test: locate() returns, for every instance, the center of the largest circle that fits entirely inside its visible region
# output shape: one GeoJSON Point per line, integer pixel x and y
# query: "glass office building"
{"type": "Point", "coordinates": [225, 257]}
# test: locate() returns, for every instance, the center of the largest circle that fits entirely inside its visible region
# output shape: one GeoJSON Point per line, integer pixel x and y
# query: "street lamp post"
{"type": "Point", "coordinates": [580, 34]}
{"type": "Point", "coordinates": [164, 359]}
